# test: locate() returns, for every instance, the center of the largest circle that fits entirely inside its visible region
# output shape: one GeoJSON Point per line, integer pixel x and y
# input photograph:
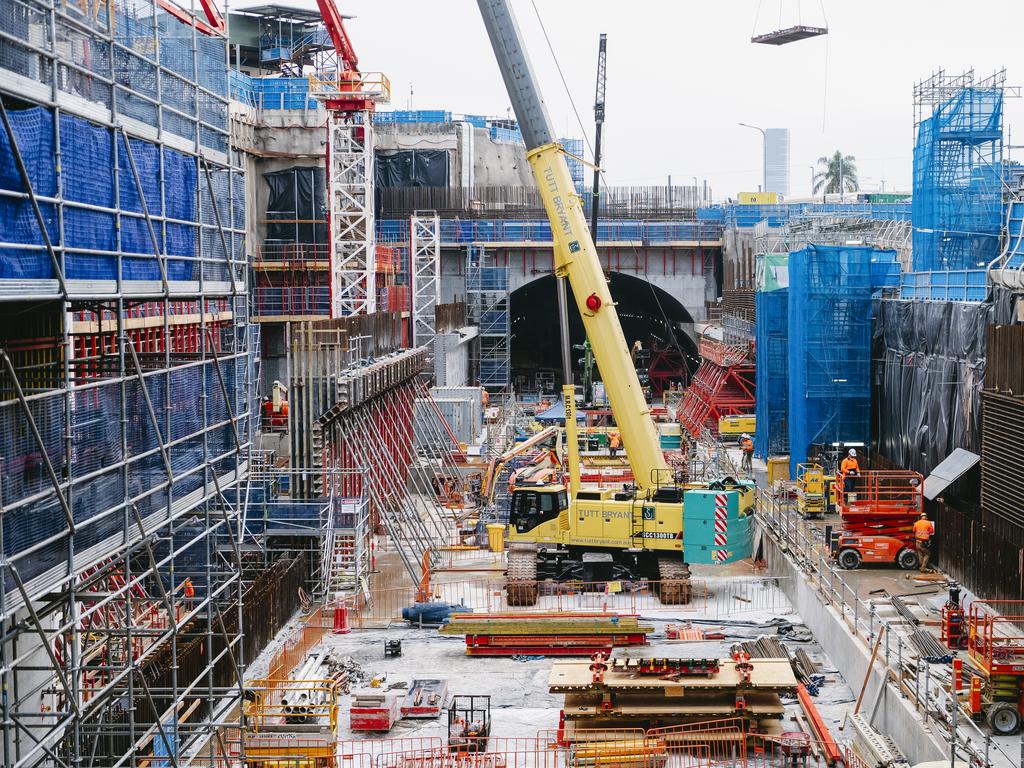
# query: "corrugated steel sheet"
{"type": "Point", "coordinates": [1005, 350]}
{"type": "Point", "coordinates": [1002, 456]}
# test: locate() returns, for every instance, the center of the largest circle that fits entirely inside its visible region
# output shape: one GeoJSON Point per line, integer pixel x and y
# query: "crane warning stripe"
{"type": "Point", "coordinates": [720, 539]}
{"type": "Point", "coordinates": [721, 526]}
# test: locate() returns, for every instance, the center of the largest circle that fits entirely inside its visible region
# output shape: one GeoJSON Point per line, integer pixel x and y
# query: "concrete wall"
{"type": "Point", "coordinates": [682, 279]}
{"type": "Point", "coordinates": [451, 357]}
{"type": "Point", "coordinates": [896, 716]}
{"type": "Point", "coordinates": [474, 159]}
{"type": "Point", "coordinates": [738, 261]}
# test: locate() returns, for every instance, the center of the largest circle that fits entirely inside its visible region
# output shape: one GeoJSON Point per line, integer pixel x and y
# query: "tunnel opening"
{"type": "Point", "coordinates": [648, 314]}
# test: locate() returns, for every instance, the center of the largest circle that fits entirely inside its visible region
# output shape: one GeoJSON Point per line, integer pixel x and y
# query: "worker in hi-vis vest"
{"type": "Point", "coordinates": [747, 449]}
{"type": "Point", "coordinates": [924, 529]}
{"type": "Point", "coordinates": [849, 469]}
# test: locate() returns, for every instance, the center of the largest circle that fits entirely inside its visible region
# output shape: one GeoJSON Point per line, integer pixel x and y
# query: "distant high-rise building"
{"type": "Point", "coordinates": [776, 160]}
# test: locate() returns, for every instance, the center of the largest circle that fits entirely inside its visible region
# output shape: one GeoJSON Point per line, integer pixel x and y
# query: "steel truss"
{"type": "Point", "coordinates": [352, 230]}
{"type": "Point", "coordinates": [425, 248]}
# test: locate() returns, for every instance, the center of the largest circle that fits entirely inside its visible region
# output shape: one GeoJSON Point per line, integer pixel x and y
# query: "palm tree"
{"type": "Point", "coordinates": [837, 173]}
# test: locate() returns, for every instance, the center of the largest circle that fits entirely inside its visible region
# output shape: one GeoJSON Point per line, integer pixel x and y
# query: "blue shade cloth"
{"type": "Point", "coordinates": [829, 313]}
{"type": "Point", "coordinates": [957, 203]}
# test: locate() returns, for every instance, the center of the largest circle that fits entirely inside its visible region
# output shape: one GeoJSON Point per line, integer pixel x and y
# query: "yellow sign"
{"type": "Point", "coordinates": [614, 586]}
{"type": "Point", "coordinates": [758, 198]}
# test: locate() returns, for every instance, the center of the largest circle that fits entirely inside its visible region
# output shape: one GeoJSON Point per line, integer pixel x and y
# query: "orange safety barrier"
{"type": "Point", "coordinates": [283, 701]}
{"type": "Point", "coordinates": [709, 744]}
{"type": "Point", "coordinates": [317, 626]}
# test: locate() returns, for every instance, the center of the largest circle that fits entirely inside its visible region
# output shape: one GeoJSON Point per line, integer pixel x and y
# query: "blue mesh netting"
{"type": "Point", "coordinates": [1015, 236]}
{"type": "Point", "coordinates": [87, 177]}
{"type": "Point", "coordinates": [771, 436]}
{"type": "Point", "coordinates": [957, 191]}
{"type": "Point", "coordinates": [829, 347]}
{"type": "Point", "coordinates": [33, 131]}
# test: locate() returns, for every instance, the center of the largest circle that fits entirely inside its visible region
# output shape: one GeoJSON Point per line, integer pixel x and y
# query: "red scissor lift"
{"type": "Point", "coordinates": [995, 645]}
{"type": "Point", "coordinates": [878, 510]}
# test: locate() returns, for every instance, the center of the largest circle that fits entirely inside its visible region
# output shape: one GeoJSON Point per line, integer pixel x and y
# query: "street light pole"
{"type": "Point", "coordinates": [764, 155]}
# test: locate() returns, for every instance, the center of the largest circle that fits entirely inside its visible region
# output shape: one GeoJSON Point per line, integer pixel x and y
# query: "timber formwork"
{"type": "Point", "coordinates": [126, 384]}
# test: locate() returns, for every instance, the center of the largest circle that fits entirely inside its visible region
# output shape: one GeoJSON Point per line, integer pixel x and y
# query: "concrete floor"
{"type": "Point", "coordinates": [519, 694]}
{"type": "Point", "coordinates": [521, 704]}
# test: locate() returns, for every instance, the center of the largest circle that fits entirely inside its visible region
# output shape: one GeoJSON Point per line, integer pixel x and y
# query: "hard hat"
{"type": "Point", "coordinates": [853, 451]}
{"type": "Point", "coordinates": [744, 436]}
{"type": "Point", "coordinates": [924, 514]}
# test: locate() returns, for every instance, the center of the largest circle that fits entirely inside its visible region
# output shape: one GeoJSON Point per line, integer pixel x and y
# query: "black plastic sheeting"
{"type": "Point", "coordinates": [412, 168]}
{"type": "Point", "coordinates": [928, 375]}
{"type": "Point", "coordinates": [297, 194]}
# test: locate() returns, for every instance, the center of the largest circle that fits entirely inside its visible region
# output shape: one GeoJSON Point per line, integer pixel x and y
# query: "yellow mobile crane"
{"type": "Point", "coordinates": [600, 534]}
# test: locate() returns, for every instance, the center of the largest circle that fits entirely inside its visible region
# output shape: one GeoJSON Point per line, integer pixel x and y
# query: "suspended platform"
{"type": "Point", "coordinates": [789, 35]}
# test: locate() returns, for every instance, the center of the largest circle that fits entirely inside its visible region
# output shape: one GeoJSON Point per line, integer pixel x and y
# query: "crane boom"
{"type": "Point", "coordinates": [347, 58]}
{"type": "Point", "coordinates": [602, 80]}
{"type": "Point", "coordinates": [575, 255]}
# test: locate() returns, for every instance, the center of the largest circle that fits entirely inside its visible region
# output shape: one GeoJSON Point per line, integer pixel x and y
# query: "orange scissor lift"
{"type": "Point", "coordinates": [878, 510]}
{"type": "Point", "coordinates": [995, 645]}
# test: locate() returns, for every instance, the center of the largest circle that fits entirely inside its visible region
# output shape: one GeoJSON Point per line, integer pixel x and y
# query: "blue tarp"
{"type": "Point", "coordinates": [556, 414]}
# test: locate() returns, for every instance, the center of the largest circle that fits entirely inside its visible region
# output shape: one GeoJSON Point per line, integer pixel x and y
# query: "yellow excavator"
{"type": "Point", "coordinates": [602, 534]}
{"type": "Point", "coordinates": [550, 436]}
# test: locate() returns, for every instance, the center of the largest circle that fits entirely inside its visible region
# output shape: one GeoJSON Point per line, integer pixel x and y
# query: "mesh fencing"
{"type": "Point", "coordinates": [194, 430]}
{"type": "Point", "coordinates": [102, 207]}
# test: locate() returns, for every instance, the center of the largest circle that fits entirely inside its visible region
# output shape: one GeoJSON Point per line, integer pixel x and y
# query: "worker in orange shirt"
{"type": "Point", "coordinates": [849, 469]}
{"type": "Point", "coordinates": [924, 529]}
{"type": "Point", "coordinates": [614, 443]}
{"type": "Point", "coordinates": [747, 449]}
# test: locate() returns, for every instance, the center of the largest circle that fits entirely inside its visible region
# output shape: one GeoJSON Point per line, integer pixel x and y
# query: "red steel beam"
{"type": "Point", "coordinates": [828, 744]}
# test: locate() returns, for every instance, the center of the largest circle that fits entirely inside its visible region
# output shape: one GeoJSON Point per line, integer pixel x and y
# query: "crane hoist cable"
{"type": "Point", "coordinates": [674, 340]}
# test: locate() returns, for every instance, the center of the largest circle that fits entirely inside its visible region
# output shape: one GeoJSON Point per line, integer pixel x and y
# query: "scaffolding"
{"type": "Point", "coordinates": [425, 250]}
{"type": "Point", "coordinates": [772, 351]}
{"type": "Point", "coordinates": [487, 299]}
{"type": "Point", "coordinates": [829, 318]}
{"type": "Point", "coordinates": [350, 187]}
{"type": "Point", "coordinates": [332, 530]}
{"type": "Point", "coordinates": [126, 385]}
{"type": "Point", "coordinates": [958, 160]}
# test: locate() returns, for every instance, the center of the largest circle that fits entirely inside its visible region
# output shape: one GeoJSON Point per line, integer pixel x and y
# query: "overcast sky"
{"type": "Point", "coordinates": [682, 74]}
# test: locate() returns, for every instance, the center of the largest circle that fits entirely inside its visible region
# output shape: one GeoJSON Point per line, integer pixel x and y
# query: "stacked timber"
{"type": "Point", "coordinates": [546, 634]}
{"type": "Point", "coordinates": [625, 695]}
